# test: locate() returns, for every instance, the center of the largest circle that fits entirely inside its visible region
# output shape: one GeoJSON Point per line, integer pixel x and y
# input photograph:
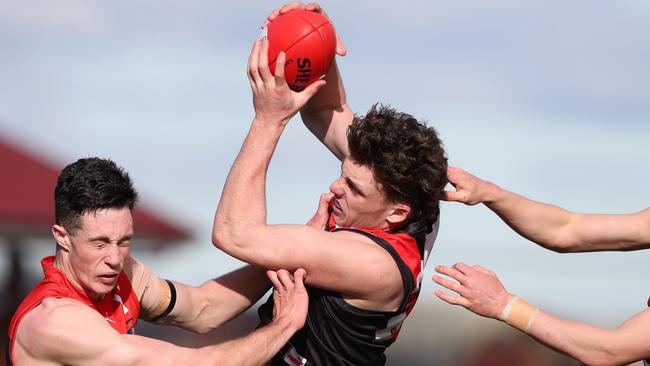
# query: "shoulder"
{"type": "Point", "coordinates": [66, 331]}
{"type": "Point", "coordinates": [140, 276]}
{"type": "Point", "coordinates": [46, 327]}
{"type": "Point", "coordinates": [53, 316]}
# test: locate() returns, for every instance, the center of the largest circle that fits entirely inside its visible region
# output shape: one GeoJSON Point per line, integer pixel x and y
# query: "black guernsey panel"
{"type": "Point", "coordinates": [337, 333]}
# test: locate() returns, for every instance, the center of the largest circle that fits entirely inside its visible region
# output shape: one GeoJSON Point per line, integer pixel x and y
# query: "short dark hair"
{"type": "Point", "coordinates": [406, 157]}
{"type": "Point", "coordinates": [89, 185]}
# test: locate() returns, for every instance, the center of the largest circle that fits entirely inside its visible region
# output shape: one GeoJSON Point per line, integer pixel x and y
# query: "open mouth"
{"type": "Point", "coordinates": [337, 205]}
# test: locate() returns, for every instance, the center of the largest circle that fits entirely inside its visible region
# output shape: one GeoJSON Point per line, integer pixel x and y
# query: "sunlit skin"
{"type": "Point", "coordinates": [93, 255]}
{"type": "Point", "coordinates": [358, 200]}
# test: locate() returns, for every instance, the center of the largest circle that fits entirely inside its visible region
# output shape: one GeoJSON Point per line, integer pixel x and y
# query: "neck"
{"type": "Point", "coordinates": [62, 263]}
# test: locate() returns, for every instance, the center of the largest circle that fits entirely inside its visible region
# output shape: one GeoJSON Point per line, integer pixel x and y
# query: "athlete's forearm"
{"type": "Point", "coordinates": [588, 344]}
{"type": "Point", "coordinates": [258, 347]}
{"type": "Point", "coordinates": [591, 345]}
{"type": "Point", "coordinates": [202, 309]}
{"type": "Point", "coordinates": [561, 230]}
{"type": "Point", "coordinates": [242, 208]}
{"type": "Point", "coordinates": [328, 116]}
{"type": "Point", "coordinates": [544, 224]}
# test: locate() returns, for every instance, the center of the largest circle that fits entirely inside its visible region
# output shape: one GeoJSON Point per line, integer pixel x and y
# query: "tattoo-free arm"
{"type": "Point", "coordinates": [240, 227]}
{"type": "Point", "coordinates": [327, 115]}
{"type": "Point", "coordinates": [480, 291]}
{"type": "Point", "coordinates": [67, 332]}
{"type": "Point", "coordinates": [551, 226]}
{"type": "Point", "coordinates": [199, 309]}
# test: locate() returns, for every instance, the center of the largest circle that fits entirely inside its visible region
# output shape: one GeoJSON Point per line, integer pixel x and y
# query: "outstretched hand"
{"type": "Point", "coordinates": [315, 7]}
{"type": "Point", "coordinates": [289, 296]}
{"type": "Point", "coordinates": [272, 98]}
{"type": "Point", "coordinates": [470, 190]}
{"type": "Point", "coordinates": [479, 290]}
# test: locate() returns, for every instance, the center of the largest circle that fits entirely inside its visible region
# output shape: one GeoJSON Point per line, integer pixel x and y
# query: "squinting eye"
{"type": "Point", "coordinates": [125, 244]}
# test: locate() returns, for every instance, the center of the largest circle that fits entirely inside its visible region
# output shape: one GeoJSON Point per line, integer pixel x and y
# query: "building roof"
{"type": "Point", "coordinates": [27, 200]}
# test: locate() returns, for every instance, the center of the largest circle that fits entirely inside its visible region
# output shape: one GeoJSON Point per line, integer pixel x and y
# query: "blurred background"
{"type": "Point", "coordinates": [550, 99]}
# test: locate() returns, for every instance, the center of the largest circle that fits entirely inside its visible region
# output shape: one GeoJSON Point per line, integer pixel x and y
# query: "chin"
{"type": "Point", "coordinates": [339, 221]}
{"type": "Point", "coordinates": [100, 290]}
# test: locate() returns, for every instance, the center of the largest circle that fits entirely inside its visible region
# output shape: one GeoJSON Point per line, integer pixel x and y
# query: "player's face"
{"type": "Point", "coordinates": [98, 249]}
{"type": "Point", "coordinates": [358, 200]}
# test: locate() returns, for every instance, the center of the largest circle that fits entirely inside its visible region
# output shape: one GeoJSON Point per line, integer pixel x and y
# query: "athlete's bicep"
{"type": "Point", "coordinates": [612, 232]}
{"type": "Point", "coordinates": [156, 295]}
{"type": "Point", "coordinates": [342, 261]}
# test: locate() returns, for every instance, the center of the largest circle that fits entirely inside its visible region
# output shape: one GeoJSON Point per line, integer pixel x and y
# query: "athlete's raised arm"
{"type": "Point", "coordinates": [240, 226]}
{"type": "Point", "coordinates": [327, 114]}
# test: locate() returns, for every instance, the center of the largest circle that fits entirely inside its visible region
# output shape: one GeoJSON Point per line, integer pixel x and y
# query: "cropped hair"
{"type": "Point", "coordinates": [406, 157]}
{"type": "Point", "coordinates": [89, 185]}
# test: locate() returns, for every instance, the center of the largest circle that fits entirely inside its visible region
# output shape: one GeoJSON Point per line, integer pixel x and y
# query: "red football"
{"type": "Point", "coordinates": [309, 42]}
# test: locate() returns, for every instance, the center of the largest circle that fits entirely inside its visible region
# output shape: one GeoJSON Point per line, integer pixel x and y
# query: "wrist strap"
{"type": "Point", "coordinates": [519, 314]}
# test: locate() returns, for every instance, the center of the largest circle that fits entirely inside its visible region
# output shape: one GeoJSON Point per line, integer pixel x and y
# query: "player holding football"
{"type": "Point", "coordinates": [562, 231]}
{"type": "Point", "coordinates": [379, 219]}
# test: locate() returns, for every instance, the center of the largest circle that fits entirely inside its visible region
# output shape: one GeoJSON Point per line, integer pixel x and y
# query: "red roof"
{"type": "Point", "coordinates": [27, 200]}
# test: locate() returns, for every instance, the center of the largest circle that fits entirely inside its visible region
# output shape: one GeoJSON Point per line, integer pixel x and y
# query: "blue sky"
{"type": "Point", "coordinates": [550, 99]}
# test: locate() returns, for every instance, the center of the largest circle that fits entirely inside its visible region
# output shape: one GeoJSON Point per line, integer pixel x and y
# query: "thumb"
{"type": "Point", "coordinates": [299, 277]}
{"type": "Point", "coordinates": [452, 196]}
{"type": "Point", "coordinates": [312, 89]}
{"type": "Point", "coordinates": [324, 202]}
{"type": "Point", "coordinates": [340, 47]}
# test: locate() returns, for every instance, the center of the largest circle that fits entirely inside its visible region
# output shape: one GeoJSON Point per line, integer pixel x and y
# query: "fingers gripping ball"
{"type": "Point", "coordinates": [309, 42]}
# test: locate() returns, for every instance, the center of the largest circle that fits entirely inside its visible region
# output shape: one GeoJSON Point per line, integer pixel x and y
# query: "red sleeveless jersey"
{"type": "Point", "coordinates": [120, 307]}
{"type": "Point", "coordinates": [410, 246]}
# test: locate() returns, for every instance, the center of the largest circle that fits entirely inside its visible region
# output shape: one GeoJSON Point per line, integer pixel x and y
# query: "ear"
{"type": "Point", "coordinates": [61, 237]}
{"type": "Point", "coordinates": [399, 215]}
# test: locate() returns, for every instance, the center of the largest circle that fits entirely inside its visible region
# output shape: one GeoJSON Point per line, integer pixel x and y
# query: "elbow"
{"type": "Point", "coordinates": [225, 237]}
{"type": "Point", "coordinates": [203, 330]}
{"type": "Point", "coordinates": [555, 246]}
{"type": "Point", "coordinates": [570, 247]}
{"type": "Point", "coordinates": [205, 327]}
{"type": "Point", "coordinates": [601, 360]}
{"type": "Point", "coordinates": [208, 316]}
{"type": "Point", "coordinates": [605, 355]}
{"type": "Point", "coordinates": [561, 243]}
{"type": "Point", "coordinates": [220, 239]}
{"type": "Point", "coordinates": [235, 241]}
{"type": "Point", "coordinates": [560, 248]}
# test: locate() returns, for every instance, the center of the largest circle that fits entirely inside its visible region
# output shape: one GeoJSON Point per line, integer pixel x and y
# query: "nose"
{"type": "Point", "coordinates": [113, 257]}
{"type": "Point", "coordinates": [337, 187]}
